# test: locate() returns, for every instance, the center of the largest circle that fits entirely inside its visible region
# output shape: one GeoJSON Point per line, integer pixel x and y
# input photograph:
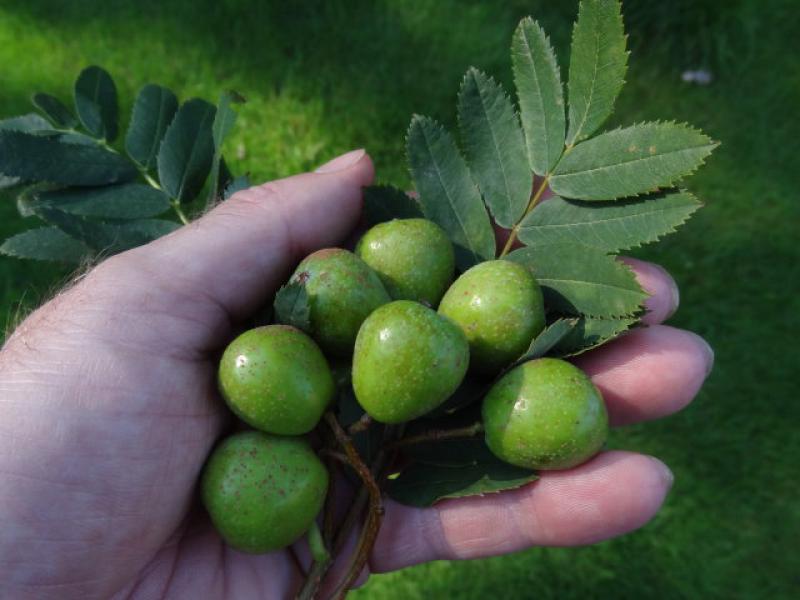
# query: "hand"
{"type": "Point", "coordinates": [108, 407]}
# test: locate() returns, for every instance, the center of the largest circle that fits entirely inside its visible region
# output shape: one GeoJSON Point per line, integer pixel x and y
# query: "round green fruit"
{"type": "Point", "coordinates": [263, 491]}
{"type": "Point", "coordinates": [276, 379]}
{"type": "Point", "coordinates": [342, 291]}
{"type": "Point", "coordinates": [407, 361]}
{"type": "Point", "coordinates": [545, 414]}
{"type": "Point", "coordinates": [499, 306]}
{"type": "Point", "coordinates": [413, 257]}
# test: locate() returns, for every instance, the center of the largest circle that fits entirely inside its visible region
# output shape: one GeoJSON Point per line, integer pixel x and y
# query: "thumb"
{"type": "Point", "coordinates": [237, 255]}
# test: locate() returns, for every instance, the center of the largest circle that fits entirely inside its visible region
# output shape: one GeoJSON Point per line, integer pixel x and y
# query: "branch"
{"type": "Point", "coordinates": [439, 434]}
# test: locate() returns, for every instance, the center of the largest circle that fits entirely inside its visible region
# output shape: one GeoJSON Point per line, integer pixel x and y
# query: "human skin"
{"type": "Point", "coordinates": [109, 408]}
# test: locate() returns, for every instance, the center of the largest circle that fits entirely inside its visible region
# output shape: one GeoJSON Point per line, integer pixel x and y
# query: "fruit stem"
{"type": "Point", "coordinates": [512, 237]}
{"type": "Point", "coordinates": [440, 434]}
{"type": "Point", "coordinates": [361, 425]}
{"type": "Point", "coordinates": [369, 532]}
{"type": "Point", "coordinates": [317, 545]}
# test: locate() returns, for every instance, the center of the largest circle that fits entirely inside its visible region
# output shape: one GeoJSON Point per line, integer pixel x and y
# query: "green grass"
{"type": "Point", "coordinates": [324, 77]}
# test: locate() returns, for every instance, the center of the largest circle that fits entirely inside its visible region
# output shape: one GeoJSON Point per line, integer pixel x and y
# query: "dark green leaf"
{"type": "Point", "coordinates": [125, 201]}
{"type": "Point", "coordinates": [45, 243]}
{"type": "Point", "coordinates": [242, 182]}
{"type": "Point", "coordinates": [580, 280]}
{"type": "Point", "coordinates": [55, 110]}
{"type": "Point", "coordinates": [547, 339]}
{"type": "Point", "coordinates": [465, 468]}
{"type": "Point", "coordinates": [108, 237]}
{"type": "Point", "coordinates": [384, 203]}
{"type": "Point", "coordinates": [26, 123]}
{"type": "Point", "coordinates": [153, 111]}
{"type": "Point", "coordinates": [187, 150]}
{"type": "Point", "coordinates": [597, 65]}
{"type": "Point", "coordinates": [447, 193]}
{"type": "Point", "coordinates": [471, 389]}
{"type": "Point", "coordinates": [590, 333]}
{"type": "Point", "coordinates": [96, 103]}
{"type": "Point", "coordinates": [223, 123]}
{"type": "Point", "coordinates": [292, 306]}
{"type": "Point", "coordinates": [540, 94]}
{"type": "Point", "coordinates": [630, 161]}
{"type": "Point", "coordinates": [39, 158]}
{"type": "Point", "coordinates": [610, 226]}
{"type": "Point", "coordinates": [9, 182]}
{"type": "Point", "coordinates": [494, 146]}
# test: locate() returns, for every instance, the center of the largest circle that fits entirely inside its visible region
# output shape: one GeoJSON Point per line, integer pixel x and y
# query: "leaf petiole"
{"type": "Point", "coordinates": [537, 196]}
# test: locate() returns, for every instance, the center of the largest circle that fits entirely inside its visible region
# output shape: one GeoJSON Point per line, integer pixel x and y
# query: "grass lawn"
{"type": "Point", "coordinates": [324, 77]}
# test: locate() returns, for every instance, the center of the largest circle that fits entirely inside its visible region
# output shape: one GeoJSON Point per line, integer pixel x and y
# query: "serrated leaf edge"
{"type": "Point", "coordinates": [673, 228]}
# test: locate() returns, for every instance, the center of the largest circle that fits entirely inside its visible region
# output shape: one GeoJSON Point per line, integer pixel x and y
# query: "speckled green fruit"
{"type": "Point", "coordinates": [413, 257]}
{"type": "Point", "coordinates": [545, 414]}
{"type": "Point", "coordinates": [342, 291]}
{"type": "Point", "coordinates": [407, 361]}
{"type": "Point", "coordinates": [263, 491]}
{"type": "Point", "coordinates": [276, 379]}
{"type": "Point", "coordinates": [499, 306]}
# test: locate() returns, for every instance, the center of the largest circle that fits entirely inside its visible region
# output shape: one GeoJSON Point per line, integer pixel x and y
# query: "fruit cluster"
{"type": "Point", "coordinates": [412, 334]}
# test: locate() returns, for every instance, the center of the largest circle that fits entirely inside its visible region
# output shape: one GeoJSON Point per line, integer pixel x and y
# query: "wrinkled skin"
{"type": "Point", "coordinates": [407, 361]}
{"type": "Point", "coordinates": [263, 491]}
{"type": "Point", "coordinates": [109, 409]}
{"type": "Point", "coordinates": [413, 257]}
{"type": "Point", "coordinates": [342, 291]}
{"type": "Point", "coordinates": [545, 414]}
{"type": "Point", "coordinates": [500, 308]}
{"type": "Point", "coordinates": [276, 379]}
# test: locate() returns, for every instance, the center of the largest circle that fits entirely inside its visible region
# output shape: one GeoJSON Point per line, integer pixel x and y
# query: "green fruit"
{"type": "Point", "coordinates": [413, 257]}
{"type": "Point", "coordinates": [263, 491]}
{"type": "Point", "coordinates": [276, 379]}
{"type": "Point", "coordinates": [499, 306]}
{"type": "Point", "coordinates": [545, 414]}
{"type": "Point", "coordinates": [342, 292]}
{"type": "Point", "coordinates": [407, 361]}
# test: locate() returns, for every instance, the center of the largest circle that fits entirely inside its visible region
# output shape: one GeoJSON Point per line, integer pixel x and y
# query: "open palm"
{"type": "Point", "coordinates": [108, 409]}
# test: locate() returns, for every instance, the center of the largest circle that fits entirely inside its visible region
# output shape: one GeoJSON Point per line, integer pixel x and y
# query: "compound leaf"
{"type": "Point", "coordinates": [548, 338]}
{"type": "Point", "coordinates": [610, 226]}
{"type": "Point", "coordinates": [124, 201]}
{"type": "Point", "coordinates": [590, 333]}
{"type": "Point", "coordinates": [55, 110]}
{"type": "Point", "coordinates": [187, 150]}
{"type": "Point", "coordinates": [45, 243]}
{"type": "Point", "coordinates": [384, 203]}
{"type": "Point", "coordinates": [41, 158]}
{"type": "Point", "coordinates": [580, 280]}
{"type": "Point", "coordinates": [108, 237]}
{"type": "Point", "coordinates": [292, 306]}
{"type": "Point", "coordinates": [153, 111]}
{"type": "Point", "coordinates": [630, 161]}
{"type": "Point", "coordinates": [224, 119]}
{"type": "Point", "coordinates": [447, 193]}
{"type": "Point", "coordinates": [96, 102]}
{"type": "Point", "coordinates": [540, 95]}
{"type": "Point", "coordinates": [598, 61]}
{"type": "Point", "coordinates": [466, 468]}
{"type": "Point", "coordinates": [27, 123]}
{"type": "Point", "coordinates": [494, 146]}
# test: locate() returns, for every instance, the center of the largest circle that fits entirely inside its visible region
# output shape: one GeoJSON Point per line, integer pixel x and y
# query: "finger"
{"type": "Point", "coordinates": [663, 295]}
{"type": "Point", "coordinates": [612, 494]}
{"type": "Point", "coordinates": [236, 255]}
{"type": "Point", "coordinates": [648, 373]}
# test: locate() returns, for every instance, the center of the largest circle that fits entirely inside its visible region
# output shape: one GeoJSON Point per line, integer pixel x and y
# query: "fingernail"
{"type": "Point", "coordinates": [709, 352]}
{"type": "Point", "coordinates": [340, 163]}
{"type": "Point", "coordinates": [666, 474]}
{"type": "Point", "coordinates": [675, 294]}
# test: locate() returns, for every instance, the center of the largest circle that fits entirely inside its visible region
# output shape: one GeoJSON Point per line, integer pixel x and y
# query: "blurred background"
{"type": "Point", "coordinates": [322, 77]}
